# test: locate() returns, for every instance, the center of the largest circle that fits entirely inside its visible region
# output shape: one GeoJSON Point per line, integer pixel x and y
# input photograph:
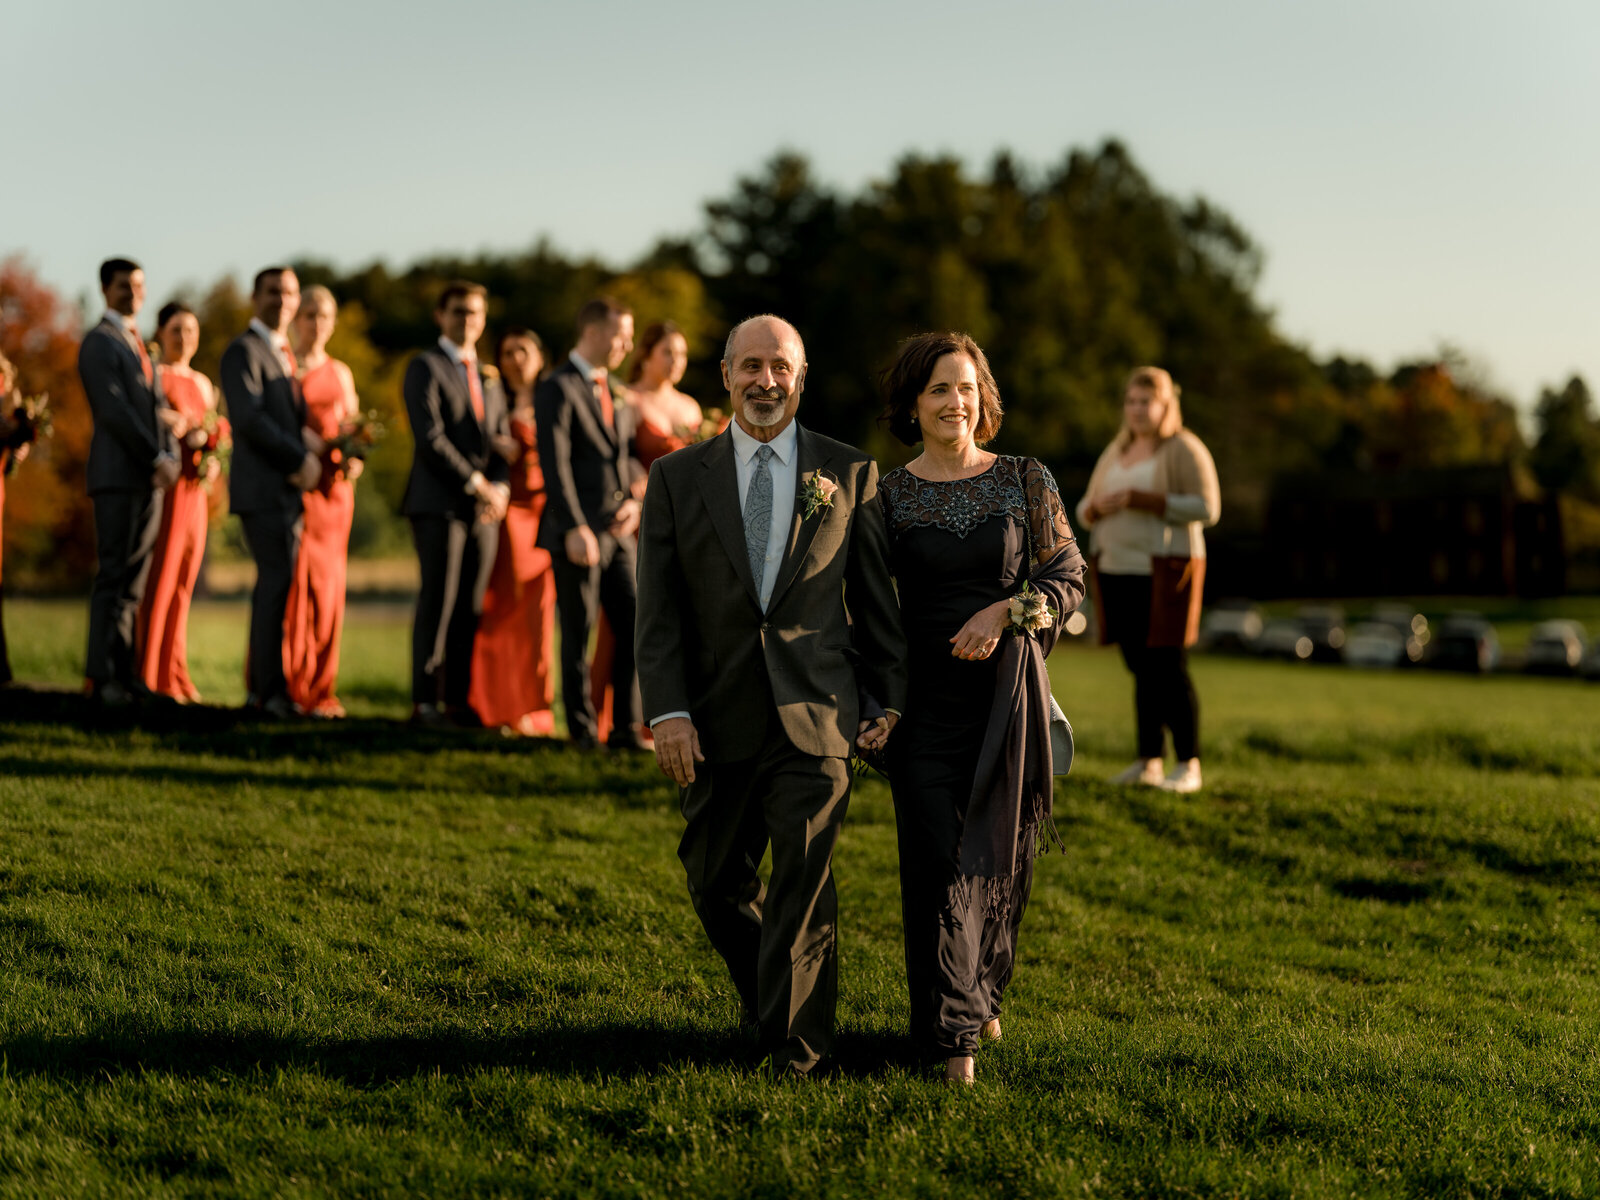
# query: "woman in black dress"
{"type": "Point", "coordinates": [970, 762]}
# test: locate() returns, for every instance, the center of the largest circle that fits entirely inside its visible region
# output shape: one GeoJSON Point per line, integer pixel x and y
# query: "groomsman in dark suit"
{"type": "Point", "coordinates": [133, 458]}
{"type": "Point", "coordinates": [275, 460]}
{"type": "Point", "coordinates": [456, 498]}
{"type": "Point", "coordinates": [590, 516]}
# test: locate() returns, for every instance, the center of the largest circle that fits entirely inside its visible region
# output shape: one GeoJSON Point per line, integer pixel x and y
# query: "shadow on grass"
{"type": "Point", "coordinates": [562, 1050]}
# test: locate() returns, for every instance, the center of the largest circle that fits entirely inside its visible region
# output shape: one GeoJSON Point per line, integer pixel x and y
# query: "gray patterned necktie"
{"type": "Point", "coordinates": [758, 514]}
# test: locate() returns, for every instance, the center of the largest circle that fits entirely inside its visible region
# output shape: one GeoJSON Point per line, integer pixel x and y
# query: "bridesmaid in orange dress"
{"type": "Point", "coordinates": [668, 421]}
{"type": "Point", "coordinates": [314, 619]}
{"type": "Point", "coordinates": [512, 684]}
{"type": "Point", "coordinates": [163, 639]}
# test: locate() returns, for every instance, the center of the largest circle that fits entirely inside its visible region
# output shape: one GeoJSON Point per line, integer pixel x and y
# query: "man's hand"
{"type": "Point", "coordinates": [313, 441]}
{"type": "Point", "coordinates": [492, 507]}
{"type": "Point", "coordinates": [175, 421]}
{"type": "Point", "coordinates": [309, 473]}
{"type": "Point", "coordinates": [19, 454]}
{"type": "Point", "coordinates": [626, 521]}
{"type": "Point", "coordinates": [583, 550]}
{"type": "Point", "coordinates": [677, 748]}
{"type": "Point", "coordinates": [165, 474]}
{"type": "Point", "coordinates": [874, 735]}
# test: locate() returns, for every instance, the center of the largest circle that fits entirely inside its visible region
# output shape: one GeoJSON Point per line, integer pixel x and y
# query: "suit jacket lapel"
{"type": "Point", "coordinates": [719, 484]}
{"type": "Point", "coordinates": [809, 459]}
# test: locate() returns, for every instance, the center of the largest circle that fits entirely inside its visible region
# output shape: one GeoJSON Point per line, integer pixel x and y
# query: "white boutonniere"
{"type": "Point", "coordinates": [1029, 611]}
{"type": "Point", "coordinates": [817, 492]}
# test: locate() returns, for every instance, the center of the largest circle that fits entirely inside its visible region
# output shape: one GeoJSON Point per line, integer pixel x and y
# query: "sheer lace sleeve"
{"type": "Point", "coordinates": [1047, 515]}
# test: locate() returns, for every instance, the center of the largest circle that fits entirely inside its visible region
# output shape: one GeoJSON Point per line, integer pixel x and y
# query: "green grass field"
{"type": "Point", "coordinates": [354, 960]}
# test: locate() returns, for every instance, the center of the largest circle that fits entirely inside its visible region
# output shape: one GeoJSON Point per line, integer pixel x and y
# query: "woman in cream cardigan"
{"type": "Point", "coordinates": [1152, 493]}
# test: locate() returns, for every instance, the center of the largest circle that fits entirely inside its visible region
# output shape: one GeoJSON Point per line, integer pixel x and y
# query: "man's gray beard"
{"type": "Point", "coordinates": [760, 419]}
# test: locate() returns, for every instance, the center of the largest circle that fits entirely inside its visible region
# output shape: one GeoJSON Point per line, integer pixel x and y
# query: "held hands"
{"type": "Point", "coordinates": [583, 550]}
{"type": "Point", "coordinates": [1107, 503]}
{"type": "Point", "coordinates": [493, 502]}
{"type": "Point", "coordinates": [309, 473]}
{"type": "Point", "coordinates": [313, 440]}
{"type": "Point", "coordinates": [166, 472]}
{"type": "Point", "coordinates": [874, 735]}
{"type": "Point", "coordinates": [677, 746]}
{"type": "Point", "coordinates": [982, 632]}
{"type": "Point", "coordinates": [626, 521]}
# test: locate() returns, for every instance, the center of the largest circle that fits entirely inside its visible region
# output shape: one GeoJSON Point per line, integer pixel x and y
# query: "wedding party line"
{"type": "Point", "coordinates": [746, 598]}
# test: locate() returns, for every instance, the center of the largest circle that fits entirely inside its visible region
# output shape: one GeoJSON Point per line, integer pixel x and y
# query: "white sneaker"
{"type": "Point", "coordinates": [1185, 777]}
{"type": "Point", "coordinates": [1143, 770]}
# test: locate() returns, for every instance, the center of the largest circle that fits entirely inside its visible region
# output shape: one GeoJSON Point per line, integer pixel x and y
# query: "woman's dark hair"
{"type": "Point", "coordinates": [519, 333]}
{"type": "Point", "coordinates": [172, 308]}
{"type": "Point", "coordinates": [913, 367]}
{"type": "Point", "coordinates": [652, 337]}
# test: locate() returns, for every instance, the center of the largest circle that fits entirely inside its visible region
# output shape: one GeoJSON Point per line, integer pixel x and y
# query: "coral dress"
{"type": "Point", "coordinates": [163, 641]}
{"type": "Point", "coordinates": [5, 657]}
{"type": "Point", "coordinates": [512, 685]}
{"type": "Point", "coordinates": [650, 443]}
{"type": "Point", "coordinates": [314, 618]}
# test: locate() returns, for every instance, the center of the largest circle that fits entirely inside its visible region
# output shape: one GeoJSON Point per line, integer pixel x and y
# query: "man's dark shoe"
{"type": "Point", "coordinates": [429, 716]}
{"type": "Point", "coordinates": [280, 708]}
{"type": "Point", "coordinates": [113, 695]}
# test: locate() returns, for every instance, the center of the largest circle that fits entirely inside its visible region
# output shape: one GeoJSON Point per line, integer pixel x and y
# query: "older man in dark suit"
{"type": "Point", "coordinates": [456, 498]}
{"type": "Point", "coordinates": [768, 639]}
{"type": "Point", "coordinates": [590, 516]}
{"type": "Point", "coordinates": [133, 458]}
{"type": "Point", "coordinates": [275, 461]}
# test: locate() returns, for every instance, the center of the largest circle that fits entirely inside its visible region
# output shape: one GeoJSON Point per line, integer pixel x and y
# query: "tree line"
{"type": "Point", "coordinates": [1068, 276]}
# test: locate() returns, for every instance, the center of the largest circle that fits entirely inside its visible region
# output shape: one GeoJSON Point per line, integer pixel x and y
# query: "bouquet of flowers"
{"type": "Point", "coordinates": [713, 422]}
{"type": "Point", "coordinates": [1029, 612]}
{"type": "Point", "coordinates": [217, 446]}
{"type": "Point", "coordinates": [356, 438]}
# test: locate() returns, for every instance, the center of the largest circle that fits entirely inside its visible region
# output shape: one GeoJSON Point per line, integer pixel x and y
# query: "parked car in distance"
{"type": "Point", "coordinates": [1556, 648]}
{"type": "Point", "coordinates": [1375, 644]}
{"type": "Point", "coordinates": [1231, 626]}
{"type": "Point", "coordinates": [1465, 642]}
{"type": "Point", "coordinates": [1324, 625]}
{"type": "Point", "coordinates": [1284, 638]}
{"type": "Point", "coordinates": [1589, 668]}
{"type": "Point", "coordinates": [1411, 625]}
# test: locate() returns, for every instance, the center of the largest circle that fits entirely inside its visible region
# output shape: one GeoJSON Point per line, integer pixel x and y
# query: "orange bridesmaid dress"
{"type": "Point", "coordinates": [314, 619]}
{"type": "Point", "coordinates": [512, 685]}
{"type": "Point", "coordinates": [5, 657]}
{"type": "Point", "coordinates": [650, 442]}
{"type": "Point", "coordinates": [163, 639]}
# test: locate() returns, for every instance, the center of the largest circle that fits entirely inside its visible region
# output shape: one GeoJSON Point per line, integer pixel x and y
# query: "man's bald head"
{"type": "Point", "coordinates": [768, 324]}
{"type": "Point", "coordinates": [764, 369]}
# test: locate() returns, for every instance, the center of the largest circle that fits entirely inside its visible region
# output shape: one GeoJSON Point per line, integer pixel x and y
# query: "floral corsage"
{"type": "Point", "coordinates": [1029, 611]}
{"type": "Point", "coordinates": [818, 493]}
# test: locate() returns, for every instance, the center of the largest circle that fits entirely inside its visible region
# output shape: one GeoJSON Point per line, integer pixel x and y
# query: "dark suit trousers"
{"type": "Point", "coordinates": [457, 558]}
{"type": "Point", "coordinates": [126, 525]}
{"type": "Point", "coordinates": [580, 592]}
{"type": "Point", "coordinates": [780, 942]}
{"type": "Point", "coordinates": [274, 541]}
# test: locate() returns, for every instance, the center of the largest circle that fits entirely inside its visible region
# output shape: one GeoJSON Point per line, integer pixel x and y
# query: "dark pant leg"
{"type": "Point", "coordinates": [480, 542]}
{"type": "Point", "coordinates": [724, 837]}
{"type": "Point", "coordinates": [619, 598]}
{"type": "Point", "coordinates": [439, 579]}
{"type": "Point", "coordinates": [804, 799]}
{"type": "Point", "coordinates": [1127, 604]}
{"type": "Point", "coordinates": [1180, 707]}
{"type": "Point", "coordinates": [126, 526]}
{"type": "Point", "coordinates": [274, 541]}
{"type": "Point", "coordinates": [577, 597]}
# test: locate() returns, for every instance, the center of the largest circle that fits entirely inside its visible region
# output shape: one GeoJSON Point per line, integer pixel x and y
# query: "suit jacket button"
{"type": "Point", "coordinates": [616, 495]}
{"type": "Point", "coordinates": [766, 627]}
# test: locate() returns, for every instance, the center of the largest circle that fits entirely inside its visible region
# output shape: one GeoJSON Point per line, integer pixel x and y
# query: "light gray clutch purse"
{"type": "Point", "coordinates": [1060, 739]}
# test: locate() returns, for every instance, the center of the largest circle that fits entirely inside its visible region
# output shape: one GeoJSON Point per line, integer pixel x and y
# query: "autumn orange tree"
{"type": "Point", "coordinates": [49, 524]}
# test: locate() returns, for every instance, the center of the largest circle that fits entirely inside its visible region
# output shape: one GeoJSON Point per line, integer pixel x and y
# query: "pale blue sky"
{"type": "Point", "coordinates": [1416, 171]}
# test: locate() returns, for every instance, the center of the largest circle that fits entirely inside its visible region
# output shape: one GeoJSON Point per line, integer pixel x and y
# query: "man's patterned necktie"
{"type": "Point", "coordinates": [758, 514]}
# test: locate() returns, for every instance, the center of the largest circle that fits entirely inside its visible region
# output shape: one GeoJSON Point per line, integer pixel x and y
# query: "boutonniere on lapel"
{"type": "Point", "coordinates": [490, 374]}
{"type": "Point", "coordinates": [816, 494]}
